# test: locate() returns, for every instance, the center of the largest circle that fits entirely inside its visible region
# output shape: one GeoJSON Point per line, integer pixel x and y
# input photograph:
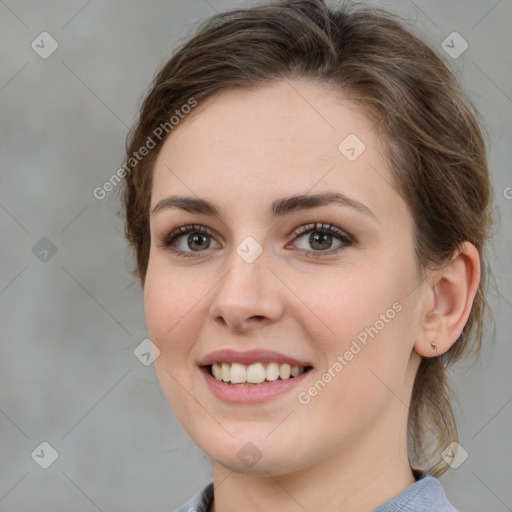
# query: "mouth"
{"type": "Point", "coordinates": [255, 374]}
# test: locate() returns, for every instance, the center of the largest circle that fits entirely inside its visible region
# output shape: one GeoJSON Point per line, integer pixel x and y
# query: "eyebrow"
{"type": "Point", "coordinates": [280, 207]}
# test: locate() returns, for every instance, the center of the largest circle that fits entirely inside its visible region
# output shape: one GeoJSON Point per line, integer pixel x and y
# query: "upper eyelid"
{"type": "Point", "coordinates": [322, 226]}
{"type": "Point", "coordinates": [303, 228]}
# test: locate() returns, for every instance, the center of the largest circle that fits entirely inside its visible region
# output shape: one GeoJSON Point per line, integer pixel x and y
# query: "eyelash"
{"type": "Point", "coordinates": [319, 227]}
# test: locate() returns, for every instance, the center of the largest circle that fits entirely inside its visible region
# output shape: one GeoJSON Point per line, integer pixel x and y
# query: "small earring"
{"type": "Point", "coordinates": [433, 345]}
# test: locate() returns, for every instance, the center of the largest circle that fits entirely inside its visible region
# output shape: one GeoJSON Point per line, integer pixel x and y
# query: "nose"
{"type": "Point", "coordinates": [248, 296]}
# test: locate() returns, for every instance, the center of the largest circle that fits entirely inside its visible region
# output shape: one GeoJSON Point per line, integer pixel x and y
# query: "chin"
{"type": "Point", "coordinates": [254, 455]}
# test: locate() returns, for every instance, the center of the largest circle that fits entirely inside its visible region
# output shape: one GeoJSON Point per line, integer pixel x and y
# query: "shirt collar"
{"type": "Point", "coordinates": [425, 495]}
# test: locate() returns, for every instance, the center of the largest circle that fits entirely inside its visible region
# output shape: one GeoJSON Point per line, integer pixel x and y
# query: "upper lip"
{"type": "Point", "coordinates": [249, 357]}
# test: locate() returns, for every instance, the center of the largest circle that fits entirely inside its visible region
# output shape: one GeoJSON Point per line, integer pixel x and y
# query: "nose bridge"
{"type": "Point", "coordinates": [248, 289]}
{"type": "Point", "coordinates": [246, 273]}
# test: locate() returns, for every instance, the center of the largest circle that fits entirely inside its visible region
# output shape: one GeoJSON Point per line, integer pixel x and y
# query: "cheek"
{"type": "Point", "coordinates": [171, 305]}
{"type": "Point", "coordinates": [343, 304]}
{"type": "Point", "coordinates": [171, 316]}
{"type": "Point", "coordinates": [363, 318]}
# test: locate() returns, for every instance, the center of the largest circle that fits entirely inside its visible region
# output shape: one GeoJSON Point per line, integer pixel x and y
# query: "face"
{"type": "Point", "coordinates": [299, 253]}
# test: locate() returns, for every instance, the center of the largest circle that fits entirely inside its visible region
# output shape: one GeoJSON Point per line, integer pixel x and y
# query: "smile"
{"type": "Point", "coordinates": [256, 373]}
{"type": "Point", "coordinates": [252, 376]}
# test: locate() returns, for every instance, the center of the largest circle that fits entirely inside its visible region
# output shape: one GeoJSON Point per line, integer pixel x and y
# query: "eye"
{"type": "Point", "coordinates": [194, 237]}
{"type": "Point", "coordinates": [321, 237]}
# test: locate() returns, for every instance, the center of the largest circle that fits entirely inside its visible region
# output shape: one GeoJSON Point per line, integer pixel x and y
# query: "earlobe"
{"type": "Point", "coordinates": [448, 302]}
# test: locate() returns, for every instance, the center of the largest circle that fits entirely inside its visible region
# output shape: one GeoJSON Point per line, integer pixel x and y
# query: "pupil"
{"type": "Point", "coordinates": [196, 237]}
{"type": "Point", "coordinates": [320, 238]}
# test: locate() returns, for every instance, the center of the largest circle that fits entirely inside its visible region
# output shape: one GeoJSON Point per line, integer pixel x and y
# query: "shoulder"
{"type": "Point", "coordinates": [200, 502]}
{"type": "Point", "coordinates": [425, 495]}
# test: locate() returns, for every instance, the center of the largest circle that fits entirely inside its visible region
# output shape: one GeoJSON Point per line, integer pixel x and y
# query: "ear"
{"type": "Point", "coordinates": [447, 302]}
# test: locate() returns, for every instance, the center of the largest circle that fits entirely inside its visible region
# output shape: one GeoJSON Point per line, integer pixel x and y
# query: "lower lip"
{"type": "Point", "coordinates": [251, 393]}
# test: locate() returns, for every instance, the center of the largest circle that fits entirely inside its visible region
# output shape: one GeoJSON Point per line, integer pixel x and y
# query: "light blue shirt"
{"type": "Point", "coordinates": [425, 495]}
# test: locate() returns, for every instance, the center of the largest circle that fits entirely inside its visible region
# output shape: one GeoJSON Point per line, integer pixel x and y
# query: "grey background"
{"type": "Point", "coordinates": [69, 325]}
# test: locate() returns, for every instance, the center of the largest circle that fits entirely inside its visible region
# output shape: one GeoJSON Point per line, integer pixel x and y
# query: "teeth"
{"type": "Point", "coordinates": [285, 370]}
{"type": "Point", "coordinates": [272, 371]}
{"type": "Point", "coordinates": [255, 373]}
{"type": "Point", "coordinates": [217, 371]}
{"type": "Point", "coordinates": [238, 373]}
{"type": "Point", "coordinates": [226, 372]}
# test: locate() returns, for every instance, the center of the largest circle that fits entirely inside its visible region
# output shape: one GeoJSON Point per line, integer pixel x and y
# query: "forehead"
{"type": "Point", "coordinates": [286, 137]}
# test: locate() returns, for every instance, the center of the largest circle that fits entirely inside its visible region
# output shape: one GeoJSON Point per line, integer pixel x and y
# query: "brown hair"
{"type": "Point", "coordinates": [429, 129]}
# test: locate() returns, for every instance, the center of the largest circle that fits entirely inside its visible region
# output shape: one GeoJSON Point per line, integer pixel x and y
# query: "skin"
{"type": "Point", "coordinates": [347, 448]}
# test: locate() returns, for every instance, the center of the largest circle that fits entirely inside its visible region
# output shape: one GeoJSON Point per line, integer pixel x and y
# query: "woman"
{"type": "Point", "coordinates": [307, 194]}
